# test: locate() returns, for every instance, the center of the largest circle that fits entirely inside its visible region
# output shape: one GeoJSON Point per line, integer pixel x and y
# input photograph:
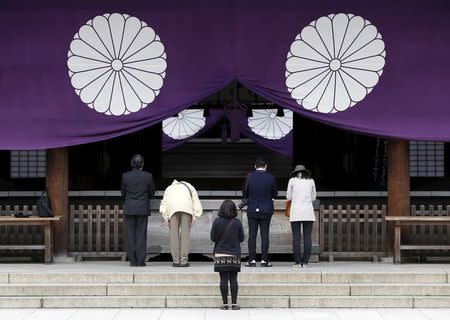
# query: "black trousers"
{"type": "Point", "coordinates": [136, 239]}
{"type": "Point", "coordinates": [232, 278]}
{"type": "Point", "coordinates": [263, 222]}
{"type": "Point", "coordinates": [307, 243]}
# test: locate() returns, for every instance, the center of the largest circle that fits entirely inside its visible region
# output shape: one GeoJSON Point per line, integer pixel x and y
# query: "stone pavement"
{"type": "Point", "coordinates": [213, 314]}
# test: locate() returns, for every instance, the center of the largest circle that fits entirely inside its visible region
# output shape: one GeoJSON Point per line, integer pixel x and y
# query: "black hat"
{"type": "Point", "coordinates": [299, 168]}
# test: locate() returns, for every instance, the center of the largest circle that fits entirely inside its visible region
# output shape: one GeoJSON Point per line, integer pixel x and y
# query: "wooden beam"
{"type": "Point", "coordinates": [58, 187]}
{"type": "Point", "coordinates": [398, 184]}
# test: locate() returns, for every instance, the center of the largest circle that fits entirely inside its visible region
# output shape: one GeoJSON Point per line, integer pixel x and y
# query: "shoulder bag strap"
{"type": "Point", "coordinates": [189, 189]}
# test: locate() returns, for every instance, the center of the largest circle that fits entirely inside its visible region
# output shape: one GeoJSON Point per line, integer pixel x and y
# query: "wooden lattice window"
{"type": "Point", "coordinates": [27, 164]}
{"type": "Point", "coordinates": [426, 159]}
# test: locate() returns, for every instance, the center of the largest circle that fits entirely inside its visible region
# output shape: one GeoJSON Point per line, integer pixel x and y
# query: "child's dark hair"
{"type": "Point", "coordinates": [228, 210]}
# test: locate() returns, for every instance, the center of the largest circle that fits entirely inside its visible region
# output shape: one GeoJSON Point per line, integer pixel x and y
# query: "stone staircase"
{"type": "Point", "coordinates": [280, 289]}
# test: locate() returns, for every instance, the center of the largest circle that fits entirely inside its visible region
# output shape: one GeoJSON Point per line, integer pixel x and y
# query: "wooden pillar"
{"type": "Point", "coordinates": [398, 184]}
{"type": "Point", "coordinates": [58, 188]}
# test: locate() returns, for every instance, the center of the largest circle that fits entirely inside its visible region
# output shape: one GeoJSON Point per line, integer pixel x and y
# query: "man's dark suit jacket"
{"type": "Point", "coordinates": [261, 189]}
{"type": "Point", "coordinates": [137, 187]}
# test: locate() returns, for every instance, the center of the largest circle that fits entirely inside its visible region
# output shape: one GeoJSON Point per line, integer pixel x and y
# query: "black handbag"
{"type": "Point", "coordinates": [226, 263]}
{"type": "Point", "coordinates": [44, 206]}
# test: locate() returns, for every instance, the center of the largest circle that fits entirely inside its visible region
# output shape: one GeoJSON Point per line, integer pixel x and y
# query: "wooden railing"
{"type": "Point", "coordinates": [26, 235]}
{"type": "Point", "coordinates": [344, 231]}
{"type": "Point", "coordinates": [428, 234]}
{"type": "Point", "coordinates": [96, 232]}
{"type": "Point", "coordinates": [352, 232]}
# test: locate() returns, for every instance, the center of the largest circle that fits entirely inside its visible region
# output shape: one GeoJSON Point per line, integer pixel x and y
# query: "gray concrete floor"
{"type": "Point", "coordinates": [210, 314]}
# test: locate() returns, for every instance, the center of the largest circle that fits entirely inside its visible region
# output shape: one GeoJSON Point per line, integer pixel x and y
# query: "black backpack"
{"type": "Point", "coordinates": [44, 205]}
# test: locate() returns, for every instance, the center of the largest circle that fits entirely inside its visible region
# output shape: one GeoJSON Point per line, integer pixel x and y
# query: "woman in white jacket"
{"type": "Point", "coordinates": [302, 192]}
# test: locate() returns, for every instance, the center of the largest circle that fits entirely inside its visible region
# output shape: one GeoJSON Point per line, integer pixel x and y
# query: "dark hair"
{"type": "Point", "coordinates": [228, 210]}
{"type": "Point", "coordinates": [137, 162]}
{"type": "Point", "coordinates": [260, 163]}
{"type": "Point", "coordinates": [306, 174]}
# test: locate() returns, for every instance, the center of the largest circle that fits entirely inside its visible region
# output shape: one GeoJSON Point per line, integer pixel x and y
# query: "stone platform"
{"type": "Point", "coordinates": [159, 285]}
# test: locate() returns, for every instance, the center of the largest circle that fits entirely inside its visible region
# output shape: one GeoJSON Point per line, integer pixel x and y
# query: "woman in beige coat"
{"type": "Point", "coordinates": [302, 192]}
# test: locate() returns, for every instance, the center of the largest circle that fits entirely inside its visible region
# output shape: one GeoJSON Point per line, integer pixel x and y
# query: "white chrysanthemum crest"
{"type": "Point", "coordinates": [117, 64]}
{"type": "Point", "coordinates": [186, 124]}
{"type": "Point", "coordinates": [267, 124]}
{"type": "Point", "coordinates": [334, 63]}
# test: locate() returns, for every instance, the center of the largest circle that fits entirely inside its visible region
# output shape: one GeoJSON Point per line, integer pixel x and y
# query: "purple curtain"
{"type": "Point", "coordinates": [239, 125]}
{"type": "Point", "coordinates": [51, 96]}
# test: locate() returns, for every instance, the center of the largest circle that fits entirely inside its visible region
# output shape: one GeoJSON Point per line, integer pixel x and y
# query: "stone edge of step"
{"type": "Point", "coordinates": [214, 301]}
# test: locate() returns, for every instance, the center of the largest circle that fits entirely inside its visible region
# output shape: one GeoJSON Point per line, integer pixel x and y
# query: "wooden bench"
{"type": "Point", "coordinates": [47, 223]}
{"type": "Point", "coordinates": [400, 221]}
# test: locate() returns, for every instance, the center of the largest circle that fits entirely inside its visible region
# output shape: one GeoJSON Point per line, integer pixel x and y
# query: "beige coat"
{"type": "Point", "coordinates": [302, 192]}
{"type": "Point", "coordinates": [177, 198]}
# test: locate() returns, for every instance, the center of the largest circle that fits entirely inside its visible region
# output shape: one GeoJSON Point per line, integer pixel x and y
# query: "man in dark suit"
{"type": "Point", "coordinates": [137, 187]}
{"type": "Point", "coordinates": [260, 189]}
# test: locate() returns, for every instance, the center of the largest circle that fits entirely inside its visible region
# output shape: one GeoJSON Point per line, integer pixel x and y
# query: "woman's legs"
{"type": "Point", "coordinates": [307, 243]}
{"type": "Point", "coordinates": [295, 226]}
{"type": "Point", "coordinates": [233, 286]}
{"type": "Point", "coordinates": [224, 286]}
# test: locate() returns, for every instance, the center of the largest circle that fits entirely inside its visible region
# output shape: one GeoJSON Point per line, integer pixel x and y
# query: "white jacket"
{"type": "Point", "coordinates": [177, 198]}
{"type": "Point", "coordinates": [302, 193]}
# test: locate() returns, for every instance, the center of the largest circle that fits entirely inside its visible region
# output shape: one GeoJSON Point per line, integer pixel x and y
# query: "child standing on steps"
{"type": "Point", "coordinates": [227, 233]}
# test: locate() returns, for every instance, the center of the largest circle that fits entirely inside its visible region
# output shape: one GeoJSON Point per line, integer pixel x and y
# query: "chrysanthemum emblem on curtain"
{"type": "Point", "coordinates": [117, 64]}
{"type": "Point", "coordinates": [334, 63]}
{"type": "Point", "coordinates": [186, 124]}
{"type": "Point", "coordinates": [267, 124]}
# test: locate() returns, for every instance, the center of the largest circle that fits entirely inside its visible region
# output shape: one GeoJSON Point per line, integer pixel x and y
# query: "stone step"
{"type": "Point", "coordinates": [158, 289]}
{"type": "Point", "coordinates": [56, 289]}
{"type": "Point", "coordinates": [246, 289]}
{"type": "Point", "coordinates": [104, 302]}
{"type": "Point", "coordinates": [205, 289]}
{"type": "Point", "coordinates": [20, 302]}
{"type": "Point", "coordinates": [352, 302]}
{"type": "Point", "coordinates": [385, 277]}
{"type": "Point", "coordinates": [215, 301]}
{"type": "Point", "coordinates": [399, 289]}
{"type": "Point", "coordinates": [70, 277]}
{"type": "Point", "coordinates": [294, 276]}
{"type": "Point", "coordinates": [370, 302]}
{"type": "Point", "coordinates": [213, 277]}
